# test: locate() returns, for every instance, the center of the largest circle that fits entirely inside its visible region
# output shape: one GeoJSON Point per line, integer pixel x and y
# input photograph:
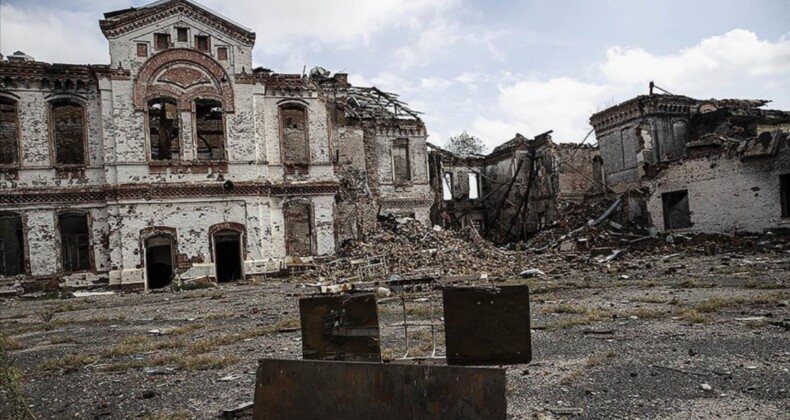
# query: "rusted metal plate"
{"type": "Point", "coordinates": [487, 325]}
{"type": "Point", "coordinates": [340, 328]}
{"type": "Point", "coordinates": [309, 389]}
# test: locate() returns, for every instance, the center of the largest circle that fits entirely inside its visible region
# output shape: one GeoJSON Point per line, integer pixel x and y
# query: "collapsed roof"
{"type": "Point", "coordinates": [370, 102]}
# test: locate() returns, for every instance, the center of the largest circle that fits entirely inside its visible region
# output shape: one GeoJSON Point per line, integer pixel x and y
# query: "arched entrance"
{"type": "Point", "coordinates": [228, 255]}
{"type": "Point", "coordinates": [159, 261]}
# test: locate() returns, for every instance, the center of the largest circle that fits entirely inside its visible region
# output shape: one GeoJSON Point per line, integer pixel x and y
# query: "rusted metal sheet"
{"type": "Point", "coordinates": [340, 328]}
{"type": "Point", "coordinates": [308, 389]}
{"type": "Point", "coordinates": [487, 325]}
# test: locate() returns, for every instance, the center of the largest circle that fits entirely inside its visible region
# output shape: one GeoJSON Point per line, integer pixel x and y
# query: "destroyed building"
{"type": "Point", "coordinates": [517, 189]}
{"type": "Point", "coordinates": [686, 164]}
{"type": "Point", "coordinates": [179, 159]}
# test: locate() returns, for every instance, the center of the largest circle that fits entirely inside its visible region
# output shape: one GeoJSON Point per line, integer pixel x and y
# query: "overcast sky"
{"type": "Point", "coordinates": [492, 68]}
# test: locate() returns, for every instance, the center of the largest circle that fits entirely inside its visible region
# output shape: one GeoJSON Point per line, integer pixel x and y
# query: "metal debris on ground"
{"type": "Point", "coordinates": [308, 389]}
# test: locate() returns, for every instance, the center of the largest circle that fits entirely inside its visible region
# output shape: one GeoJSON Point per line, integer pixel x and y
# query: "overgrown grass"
{"type": "Point", "coordinates": [62, 339]}
{"type": "Point", "coordinates": [695, 284]}
{"type": "Point", "coordinates": [209, 344]}
{"type": "Point", "coordinates": [69, 361]}
{"type": "Point", "coordinates": [718, 302]}
{"type": "Point", "coordinates": [754, 284]}
{"type": "Point", "coordinates": [193, 286]}
{"type": "Point", "coordinates": [564, 309]}
{"type": "Point", "coordinates": [590, 363]}
{"type": "Point", "coordinates": [693, 316]}
{"type": "Point", "coordinates": [14, 403]}
{"type": "Point", "coordinates": [586, 317]}
{"type": "Point", "coordinates": [649, 299]}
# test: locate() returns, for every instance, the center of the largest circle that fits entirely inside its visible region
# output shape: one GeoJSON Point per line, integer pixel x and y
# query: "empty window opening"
{"type": "Point", "coordinates": [676, 209]}
{"type": "Point", "coordinates": [478, 224]}
{"type": "Point", "coordinates": [293, 121]}
{"type": "Point", "coordinates": [201, 43]}
{"type": "Point", "coordinates": [9, 135]}
{"type": "Point", "coordinates": [227, 255]}
{"type": "Point", "coordinates": [12, 246]}
{"type": "Point", "coordinates": [74, 242]}
{"type": "Point", "coordinates": [400, 161]}
{"type": "Point", "coordinates": [298, 230]}
{"type": "Point", "coordinates": [68, 130]}
{"type": "Point", "coordinates": [784, 190]}
{"type": "Point", "coordinates": [159, 261]}
{"type": "Point", "coordinates": [163, 129]}
{"type": "Point", "coordinates": [142, 50]}
{"type": "Point", "coordinates": [222, 53]}
{"type": "Point", "coordinates": [210, 129]}
{"type": "Point", "coordinates": [447, 186]}
{"type": "Point", "coordinates": [182, 34]}
{"type": "Point", "coordinates": [162, 41]}
{"type": "Point", "coordinates": [597, 172]}
{"type": "Point", "coordinates": [474, 186]}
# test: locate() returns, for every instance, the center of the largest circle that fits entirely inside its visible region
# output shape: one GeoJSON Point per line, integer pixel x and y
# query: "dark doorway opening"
{"type": "Point", "coordinates": [676, 209]}
{"type": "Point", "coordinates": [227, 255]}
{"type": "Point", "coordinates": [159, 261]}
{"type": "Point", "coordinates": [12, 246]}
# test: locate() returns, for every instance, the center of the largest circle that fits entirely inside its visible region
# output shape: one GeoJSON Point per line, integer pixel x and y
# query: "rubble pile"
{"type": "Point", "coordinates": [408, 246]}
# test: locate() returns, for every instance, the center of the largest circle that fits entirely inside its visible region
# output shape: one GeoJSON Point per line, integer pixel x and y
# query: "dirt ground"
{"type": "Point", "coordinates": [655, 337]}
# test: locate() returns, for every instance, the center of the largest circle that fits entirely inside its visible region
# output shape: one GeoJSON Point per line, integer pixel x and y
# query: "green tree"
{"type": "Point", "coordinates": [465, 145]}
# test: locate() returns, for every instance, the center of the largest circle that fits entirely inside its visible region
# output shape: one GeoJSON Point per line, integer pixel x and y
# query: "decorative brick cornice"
{"type": "Point", "coordinates": [133, 19]}
{"type": "Point", "coordinates": [56, 77]}
{"type": "Point", "coordinates": [27, 196]}
{"type": "Point", "coordinates": [405, 203]}
{"type": "Point", "coordinates": [642, 106]}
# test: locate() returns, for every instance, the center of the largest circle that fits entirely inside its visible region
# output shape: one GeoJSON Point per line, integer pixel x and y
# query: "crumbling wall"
{"type": "Point", "coordinates": [578, 175]}
{"type": "Point", "coordinates": [725, 193]}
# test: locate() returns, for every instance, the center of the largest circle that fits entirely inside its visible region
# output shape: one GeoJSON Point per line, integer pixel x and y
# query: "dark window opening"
{"type": "Point", "coordinates": [181, 34]}
{"type": "Point", "coordinates": [222, 54]}
{"type": "Point", "coordinates": [294, 135]}
{"type": "Point", "coordinates": [298, 230]}
{"type": "Point", "coordinates": [12, 246]}
{"type": "Point", "coordinates": [74, 242]}
{"type": "Point", "coordinates": [784, 190]}
{"type": "Point", "coordinates": [201, 43]}
{"type": "Point", "coordinates": [162, 41]}
{"type": "Point", "coordinates": [163, 124]}
{"type": "Point", "coordinates": [210, 129]}
{"type": "Point", "coordinates": [9, 135]}
{"type": "Point", "coordinates": [68, 129]}
{"type": "Point", "coordinates": [227, 255]}
{"type": "Point", "coordinates": [159, 261]}
{"type": "Point", "coordinates": [676, 210]}
{"type": "Point", "coordinates": [142, 50]}
{"type": "Point", "coordinates": [400, 162]}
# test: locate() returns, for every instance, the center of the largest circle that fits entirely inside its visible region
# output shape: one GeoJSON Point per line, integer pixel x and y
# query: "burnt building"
{"type": "Point", "coordinates": [517, 189]}
{"type": "Point", "coordinates": [698, 165]}
{"type": "Point", "coordinates": [180, 160]}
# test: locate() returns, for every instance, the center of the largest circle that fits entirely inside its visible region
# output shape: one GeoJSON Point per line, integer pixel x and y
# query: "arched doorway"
{"type": "Point", "coordinates": [228, 255]}
{"type": "Point", "coordinates": [159, 261]}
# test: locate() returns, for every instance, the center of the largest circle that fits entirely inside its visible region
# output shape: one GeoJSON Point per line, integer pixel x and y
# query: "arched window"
{"type": "Point", "coordinates": [9, 134]}
{"type": "Point", "coordinates": [210, 129]}
{"type": "Point", "coordinates": [68, 132]}
{"type": "Point", "coordinates": [163, 129]}
{"type": "Point", "coordinates": [293, 135]}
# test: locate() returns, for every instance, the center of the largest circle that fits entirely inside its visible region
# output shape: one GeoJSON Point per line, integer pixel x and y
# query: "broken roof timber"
{"type": "Point", "coordinates": [370, 102]}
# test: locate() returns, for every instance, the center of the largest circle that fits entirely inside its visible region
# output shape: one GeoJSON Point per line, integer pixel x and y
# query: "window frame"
{"type": "Point", "coordinates": [224, 130]}
{"type": "Point", "coordinates": [281, 121]}
{"type": "Point", "coordinates": [179, 32]}
{"type": "Point", "coordinates": [401, 143]}
{"type": "Point", "coordinates": [208, 43]}
{"type": "Point", "coordinates": [61, 257]}
{"type": "Point", "coordinates": [156, 41]}
{"type": "Point", "coordinates": [148, 145]}
{"type": "Point", "coordinates": [784, 195]}
{"type": "Point", "coordinates": [18, 141]}
{"type": "Point", "coordinates": [53, 149]}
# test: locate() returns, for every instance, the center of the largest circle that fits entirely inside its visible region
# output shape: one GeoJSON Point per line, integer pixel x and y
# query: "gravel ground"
{"type": "Point", "coordinates": [640, 340]}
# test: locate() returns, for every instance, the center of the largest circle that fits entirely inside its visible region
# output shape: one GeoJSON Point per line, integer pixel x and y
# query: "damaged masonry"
{"type": "Point", "coordinates": [305, 252]}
